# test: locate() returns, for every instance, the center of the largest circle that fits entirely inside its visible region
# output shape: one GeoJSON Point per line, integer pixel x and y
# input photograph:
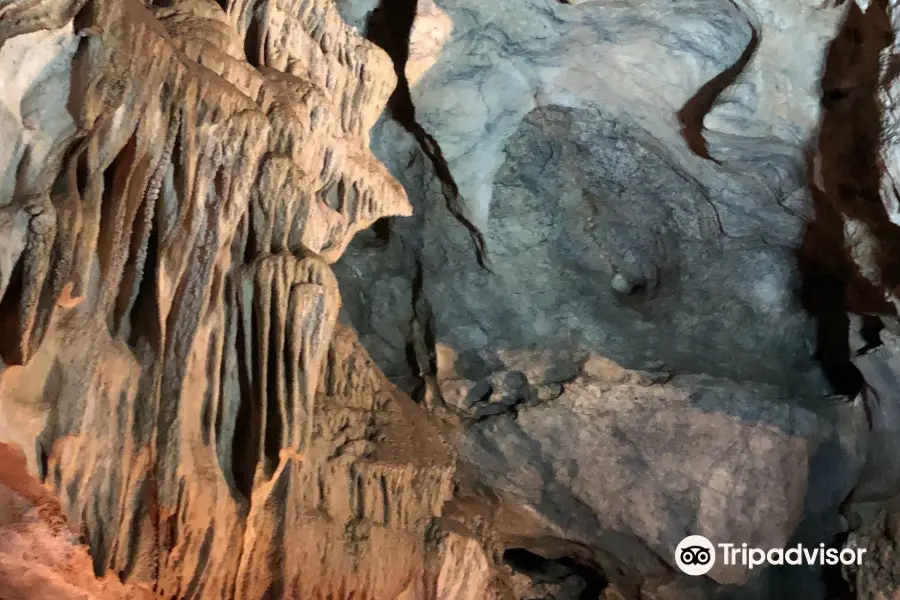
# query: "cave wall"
{"type": "Point", "coordinates": [646, 235]}
{"type": "Point", "coordinates": [288, 315]}
{"type": "Point", "coordinates": [177, 180]}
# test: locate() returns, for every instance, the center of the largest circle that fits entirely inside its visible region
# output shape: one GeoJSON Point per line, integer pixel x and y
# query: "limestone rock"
{"type": "Point", "coordinates": [880, 366]}
{"type": "Point", "coordinates": [604, 228]}
{"type": "Point", "coordinates": [177, 179]}
{"type": "Point", "coordinates": [639, 180]}
{"type": "Point", "coordinates": [878, 576]}
{"type": "Point", "coordinates": [621, 468]}
{"type": "Point", "coordinates": [596, 298]}
{"type": "Point", "coordinates": [40, 556]}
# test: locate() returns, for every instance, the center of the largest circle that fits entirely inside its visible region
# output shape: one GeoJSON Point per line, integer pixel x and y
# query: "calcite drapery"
{"type": "Point", "coordinates": [177, 179]}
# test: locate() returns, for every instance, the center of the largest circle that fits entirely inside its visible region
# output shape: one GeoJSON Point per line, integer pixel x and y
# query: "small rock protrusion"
{"type": "Point", "coordinates": [625, 285]}
{"type": "Point", "coordinates": [66, 299]}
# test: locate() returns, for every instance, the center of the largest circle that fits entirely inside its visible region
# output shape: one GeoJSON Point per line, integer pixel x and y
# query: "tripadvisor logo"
{"type": "Point", "coordinates": [696, 555]}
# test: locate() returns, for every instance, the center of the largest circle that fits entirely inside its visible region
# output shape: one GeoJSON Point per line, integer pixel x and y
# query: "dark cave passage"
{"type": "Point", "coordinates": [544, 570]}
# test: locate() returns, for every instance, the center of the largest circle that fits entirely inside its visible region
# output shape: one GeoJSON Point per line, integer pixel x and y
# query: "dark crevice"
{"type": "Point", "coordinates": [43, 461]}
{"type": "Point", "coordinates": [275, 591]}
{"type": "Point", "coordinates": [823, 294]}
{"type": "Point", "coordinates": [382, 230]}
{"type": "Point", "coordinates": [836, 584]}
{"type": "Point", "coordinates": [524, 560]}
{"type": "Point", "coordinates": [253, 49]}
{"type": "Point", "coordinates": [846, 157]}
{"type": "Point", "coordinates": [420, 346]}
{"type": "Point", "coordinates": [10, 321]}
{"type": "Point", "coordinates": [138, 288]}
{"type": "Point", "coordinates": [831, 97]}
{"type": "Point", "coordinates": [245, 447]}
{"type": "Point", "coordinates": [251, 247]}
{"type": "Point", "coordinates": [179, 154]}
{"type": "Point", "coordinates": [98, 550]}
{"type": "Point", "coordinates": [542, 569]}
{"type": "Point", "coordinates": [210, 396]}
{"type": "Point", "coordinates": [293, 372]}
{"type": "Point", "coordinates": [140, 265]}
{"type": "Point", "coordinates": [202, 562]}
{"type": "Point", "coordinates": [426, 322]}
{"type": "Point", "coordinates": [870, 332]}
{"type": "Point", "coordinates": [701, 103]}
{"type": "Point", "coordinates": [594, 580]}
{"type": "Point", "coordinates": [417, 392]}
{"type": "Point", "coordinates": [224, 393]}
{"type": "Point", "coordinates": [168, 532]}
{"type": "Point", "coordinates": [389, 27]}
{"type": "Point", "coordinates": [113, 204]}
{"type": "Point", "coordinates": [485, 396]}
{"type": "Point", "coordinates": [82, 173]}
{"type": "Point", "coordinates": [892, 71]}
{"type": "Point", "coordinates": [273, 433]}
{"type": "Point", "coordinates": [341, 194]}
{"type": "Point", "coordinates": [139, 512]}
{"type": "Point", "coordinates": [144, 319]}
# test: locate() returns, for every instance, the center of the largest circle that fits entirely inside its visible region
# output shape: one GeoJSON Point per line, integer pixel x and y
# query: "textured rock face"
{"type": "Point", "coordinates": [176, 181]}
{"type": "Point", "coordinates": [723, 461]}
{"type": "Point", "coordinates": [688, 189]}
{"type": "Point", "coordinates": [599, 216]}
{"type": "Point", "coordinates": [41, 557]}
{"type": "Point", "coordinates": [877, 578]}
{"type": "Point", "coordinates": [637, 238]}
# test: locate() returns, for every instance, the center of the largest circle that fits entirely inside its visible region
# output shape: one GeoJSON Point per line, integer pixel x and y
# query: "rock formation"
{"type": "Point", "coordinates": [40, 556]}
{"type": "Point", "coordinates": [177, 181]}
{"type": "Point", "coordinates": [444, 299]}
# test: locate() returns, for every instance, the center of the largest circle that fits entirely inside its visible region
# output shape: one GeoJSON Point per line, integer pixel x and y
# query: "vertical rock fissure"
{"type": "Point", "coordinates": [389, 26]}
{"type": "Point", "coordinates": [844, 182]}
{"type": "Point", "coordinates": [245, 453]}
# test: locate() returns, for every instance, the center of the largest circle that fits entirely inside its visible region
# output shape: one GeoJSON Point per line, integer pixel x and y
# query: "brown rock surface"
{"type": "Point", "coordinates": [40, 557]}
{"type": "Point", "coordinates": [169, 213]}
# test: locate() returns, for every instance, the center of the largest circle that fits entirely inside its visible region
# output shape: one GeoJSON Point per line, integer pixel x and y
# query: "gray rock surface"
{"type": "Point", "coordinates": [638, 175]}
{"type": "Point", "coordinates": [881, 367]}
{"type": "Point", "coordinates": [605, 231]}
{"type": "Point", "coordinates": [586, 200]}
{"type": "Point", "coordinates": [878, 578]}
{"type": "Point", "coordinates": [606, 462]}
